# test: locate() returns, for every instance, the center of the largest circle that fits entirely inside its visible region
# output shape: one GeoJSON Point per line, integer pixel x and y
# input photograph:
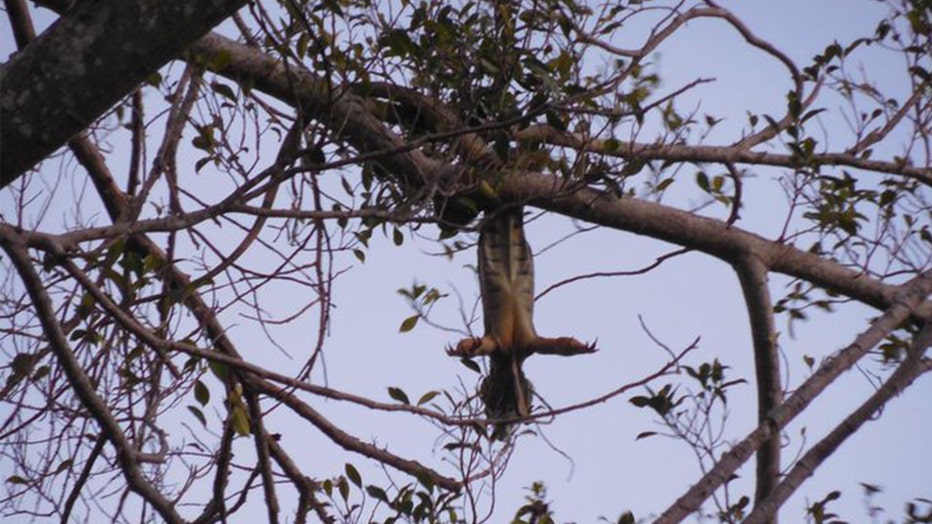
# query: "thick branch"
{"type": "Point", "coordinates": [753, 276]}
{"type": "Point", "coordinates": [910, 296]}
{"type": "Point", "coordinates": [344, 113]}
{"type": "Point", "coordinates": [700, 233]}
{"type": "Point", "coordinates": [73, 73]}
{"type": "Point", "coordinates": [20, 22]}
{"type": "Point", "coordinates": [349, 119]}
{"type": "Point", "coordinates": [306, 487]}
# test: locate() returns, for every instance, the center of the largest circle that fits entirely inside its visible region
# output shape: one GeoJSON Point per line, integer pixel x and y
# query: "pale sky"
{"type": "Point", "coordinates": [688, 297]}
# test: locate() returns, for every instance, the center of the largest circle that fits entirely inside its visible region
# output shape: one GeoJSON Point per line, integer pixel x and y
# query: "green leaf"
{"type": "Point", "coordinates": [811, 113]}
{"type": "Point", "coordinates": [219, 369]}
{"type": "Point", "coordinates": [809, 361]}
{"type": "Point", "coordinates": [399, 395]}
{"type": "Point", "coordinates": [346, 186]}
{"type": "Point", "coordinates": [198, 414]}
{"type": "Point", "coordinates": [63, 466]}
{"type": "Point", "coordinates": [377, 493]}
{"type": "Point", "coordinates": [223, 90]}
{"type": "Point", "coordinates": [344, 488]}
{"type": "Point", "coordinates": [471, 364]}
{"type": "Point", "coordinates": [555, 121]}
{"type": "Point", "coordinates": [40, 373]}
{"type": "Point", "coordinates": [353, 474]}
{"type": "Point", "coordinates": [22, 365]}
{"type": "Point", "coordinates": [633, 167]}
{"type": "Point", "coordinates": [427, 397]}
{"type": "Point", "coordinates": [16, 479]}
{"type": "Point", "coordinates": [154, 79]}
{"type": "Point", "coordinates": [409, 323]}
{"type": "Point", "coordinates": [611, 145]}
{"type": "Point", "coordinates": [201, 163]}
{"type": "Point", "coordinates": [201, 393]}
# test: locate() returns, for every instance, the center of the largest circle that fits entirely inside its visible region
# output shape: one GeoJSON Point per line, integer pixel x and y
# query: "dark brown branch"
{"type": "Point", "coordinates": [605, 274]}
{"type": "Point", "coordinates": [20, 21]}
{"type": "Point", "coordinates": [349, 442]}
{"type": "Point", "coordinates": [217, 507]}
{"type": "Point", "coordinates": [878, 134]}
{"type": "Point", "coordinates": [82, 478]}
{"type": "Point", "coordinates": [909, 370]}
{"type": "Point", "coordinates": [909, 297]}
{"type": "Point", "coordinates": [261, 440]}
{"type": "Point", "coordinates": [306, 487]}
{"type": "Point", "coordinates": [667, 368]}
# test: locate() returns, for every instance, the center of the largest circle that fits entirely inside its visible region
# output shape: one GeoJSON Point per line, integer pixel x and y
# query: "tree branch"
{"type": "Point", "coordinates": [909, 297]}
{"type": "Point", "coordinates": [737, 154]}
{"type": "Point", "coordinates": [752, 274]}
{"type": "Point", "coordinates": [911, 368]}
{"type": "Point", "coordinates": [349, 119]}
{"type": "Point", "coordinates": [83, 388]}
{"type": "Point", "coordinates": [41, 106]}
{"type": "Point", "coordinates": [700, 233]}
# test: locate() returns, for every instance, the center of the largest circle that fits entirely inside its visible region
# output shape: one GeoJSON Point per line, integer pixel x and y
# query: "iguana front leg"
{"type": "Point", "coordinates": [563, 346]}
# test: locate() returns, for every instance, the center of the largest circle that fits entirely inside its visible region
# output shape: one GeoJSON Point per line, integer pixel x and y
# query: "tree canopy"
{"type": "Point", "coordinates": [233, 288]}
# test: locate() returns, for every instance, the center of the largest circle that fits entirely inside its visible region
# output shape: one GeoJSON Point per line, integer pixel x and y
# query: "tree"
{"type": "Point", "coordinates": [166, 338]}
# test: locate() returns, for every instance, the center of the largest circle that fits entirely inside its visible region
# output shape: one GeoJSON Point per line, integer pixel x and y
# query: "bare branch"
{"type": "Point", "coordinates": [752, 274]}
{"type": "Point", "coordinates": [909, 297]}
{"type": "Point", "coordinates": [735, 154]}
{"type": "Point", "coordinates": [912, 366]}
{"type": "Point", "coordinates": [79, 381]}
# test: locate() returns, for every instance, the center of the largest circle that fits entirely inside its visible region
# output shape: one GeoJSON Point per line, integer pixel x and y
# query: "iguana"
{"type": "Point", "coordinates": [506, 282]}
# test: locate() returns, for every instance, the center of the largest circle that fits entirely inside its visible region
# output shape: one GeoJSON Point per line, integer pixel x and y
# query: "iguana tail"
{"type": "Point", "coordinates": [506, 393]}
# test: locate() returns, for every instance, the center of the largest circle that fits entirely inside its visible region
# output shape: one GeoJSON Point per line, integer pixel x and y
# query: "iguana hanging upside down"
{"type": "Point", "coordinates": [506, 281]}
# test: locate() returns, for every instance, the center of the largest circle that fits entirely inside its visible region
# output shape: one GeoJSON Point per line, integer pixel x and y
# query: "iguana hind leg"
{"type": "Point", "coordinates": [474, 347]}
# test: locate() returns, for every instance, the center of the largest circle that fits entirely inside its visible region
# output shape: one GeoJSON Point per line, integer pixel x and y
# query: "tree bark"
{"type": "Point", "coordinates": [85, 63]}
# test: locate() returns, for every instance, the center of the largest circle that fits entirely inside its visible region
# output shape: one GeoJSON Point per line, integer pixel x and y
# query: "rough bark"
{"type": "Point", "coordinates": [92, 57]}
